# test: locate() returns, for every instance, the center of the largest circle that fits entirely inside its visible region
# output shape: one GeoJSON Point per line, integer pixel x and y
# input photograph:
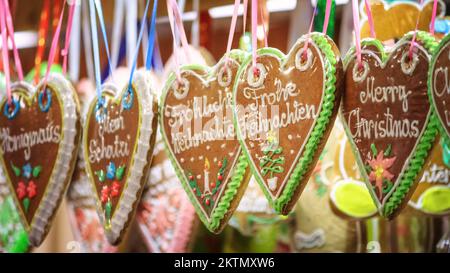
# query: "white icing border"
{"type": "Point", "coordinates": [65, 159]}
{"type": "Point", "coordinates": [135, 175]}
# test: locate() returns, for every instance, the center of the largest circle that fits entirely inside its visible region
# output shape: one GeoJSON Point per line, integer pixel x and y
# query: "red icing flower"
{"type": "Point", "coordinates": [380, 166]}
{"type": "Point", "coordinates": [115, 189]}
{"type": "Point", "coordinates": [105, 193]}
{"type": "Point", "coordinates": [21, 190]}
{"type": "Point", "coordinates": [31, 189]}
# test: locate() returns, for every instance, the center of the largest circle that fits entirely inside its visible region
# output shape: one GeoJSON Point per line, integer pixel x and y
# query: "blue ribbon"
{"type": "Point", "coordinates": [136, 53]}
{"type": "Point", "coordinates": [93, 6]}
{"type": "Point", "coordinates": [151, 37]}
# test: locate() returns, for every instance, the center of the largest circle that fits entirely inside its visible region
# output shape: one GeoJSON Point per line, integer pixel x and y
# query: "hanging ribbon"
{"type": "Point", "coordinates": [232, 28]}
{"type": "Point", "coordinates": [179, 24]}
{"type": "Point", "coordinates": [254, 40]}
{"type": "Point", "coordinates": [195, 29]}
{"type": "Point", "coordinates": [55, 15]}
{"type": "Point", "coordinates": [65, 51]}
{"type": "Point", "coordinates": [433, 17]}
{"type": "Point", "coordinates": [327, 16]}
{"type": "Point", "coordinates": [413, 41]}
{"type": "Point", "coordinates": [5, 57]}
{"type": "Point", "coordinates": [151, 37]}
{"type": "Point", "coordinates": [370, 19]}
{"type": "Point", "coordinates": [261, 14]}
{"type": "Point", "coordinates": [172, 10]}
{"type": "Point", "coordinates": [325, 24]}
{"type": "Point", "coordinates": [357, 31]}
{"type": "Point", "coordinates": [136, 52]}
{"type": "Point", "coordinates": [93, 6]}
{"type": "Point", "coordinates": [10, 30]}
{"type": "Point", "coordinates": [53, 48]}
{"type": "Point", "coordinates": [244, 18]}
{"type": "Point", "coordinates": [98, 7]}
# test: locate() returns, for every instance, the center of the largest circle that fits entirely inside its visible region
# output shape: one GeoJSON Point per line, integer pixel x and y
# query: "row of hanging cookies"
{"type": "Point", "coordinates": [207, 196]}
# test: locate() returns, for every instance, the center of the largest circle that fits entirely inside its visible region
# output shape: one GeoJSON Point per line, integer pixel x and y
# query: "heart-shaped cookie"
{"type": "Point", "coordinates": [197, 128]}
{"type": "Point", "coordinates": [118, 142]}
{"type": "Point", "coordinates": [438, 83]}
{"type": "Point", "coordinates": [165, 216]}
{"type": "Point", "coordinates": [40, 133]}
{"type": "Point", "coordinates": [432, 195]}
{"type": "Point", "coordinates": [388, 118]}
{"type": "Point", "coordinates": [284, 111]}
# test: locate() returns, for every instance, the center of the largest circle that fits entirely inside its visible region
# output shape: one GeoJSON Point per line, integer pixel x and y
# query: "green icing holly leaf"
{"type": "Point", "coordinates": [16, 169]}
{"type": "Point", "coordinates": [374, 149]}
{"type": "Point", "coordinates": [388, 150]}
{"type": "Point", "coordinates": [37, 171]}
{"type": "Point", "coordinates": [101, 175]}
{"type": "Point", "coordinates": [119, 172]}
{"type": "Point", "coordinates": [108, 208]}
{"type": "Point", "coordinates": [26, 204]}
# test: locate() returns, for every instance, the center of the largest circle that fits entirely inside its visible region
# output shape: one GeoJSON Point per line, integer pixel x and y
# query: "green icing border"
{"type": "Point", "coordinates": [316, 135]}
{"type": "Point", "coordinates": [436, 50]}
{"type": "Point", "coordinates": [240, 168]}
{"type": "Point", "coordinates": [419, 156]}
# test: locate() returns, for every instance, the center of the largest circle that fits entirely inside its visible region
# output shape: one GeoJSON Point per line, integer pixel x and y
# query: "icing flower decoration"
{"type": "Point", "coordinates": [26, 170]}
{"type": "Point", "coordinates": [115, 189]}
{"type": "Point", "coordinates": [31, 189]}
{"type": "Point", "coordinates": [105, 194]}
{"type": "Point", "coordinates": [380, 166]}
{"type": "Point", "coordinates": [111, 171]}
{"type": "Point", "coordinates": [21, 190]}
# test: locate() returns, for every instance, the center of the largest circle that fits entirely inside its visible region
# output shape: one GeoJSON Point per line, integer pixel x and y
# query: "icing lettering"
{"type": "Point", "coordinates": [384, 94]}
{"type": "Point", "coordinates": [27, 140]}
{"type": "Point", "coordinates": [98, 150]}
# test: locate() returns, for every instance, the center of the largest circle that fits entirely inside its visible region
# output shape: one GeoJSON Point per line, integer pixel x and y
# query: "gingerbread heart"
{"type": "Point", "coordinates": [284, 111]}
{"type": "Point", "coordinates": [165, 216]}
{"type": "Point", "coordinates": [432, 195]}
{"type": "Point", "coordinates": [388, 118]}
{"type": "Point", "coordinates": [197, 128]}
{"type": "Point", "coordinates": [438, 83]}
{"type": "Point", "coordinates": [118, 142]}
{"type": "Point", "coordinates": [40, 135]}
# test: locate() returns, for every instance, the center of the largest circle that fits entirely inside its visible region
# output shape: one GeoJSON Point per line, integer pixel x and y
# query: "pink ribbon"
{"type": "Point", "coordinates": [433, 17]}
{"type": "Point", "coordinates": [413, 41]}
{"type": "Point", "coordinates": [180, 27]}
{"type": "Point", "coordinates": [5, 51]}
{"type": "Point", "coordinates": [244, 16]}
{"type": "Point", "coordinates": [254, 42]}
{"type": "Point", "coordinates": [370, 19]}
{"type": "Point", "coordinates": [232, 27]}
{"type": "Point", "coordinates": [10, 27]}
{"type": "Point", "coordinates": [65, 51]}
{"type": "Point", "coordinates": [266, 44]}
{"type": "Point", "coordinates": [327, 16]}
{"type": "Point", "coordinates": [54, 46]}
{"type": "Point", "coordinates": [357, 31]}
{"type": "Point", "coordinates": [175, 46]}
{"type": "Point", "coordinates": [305, 46]}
